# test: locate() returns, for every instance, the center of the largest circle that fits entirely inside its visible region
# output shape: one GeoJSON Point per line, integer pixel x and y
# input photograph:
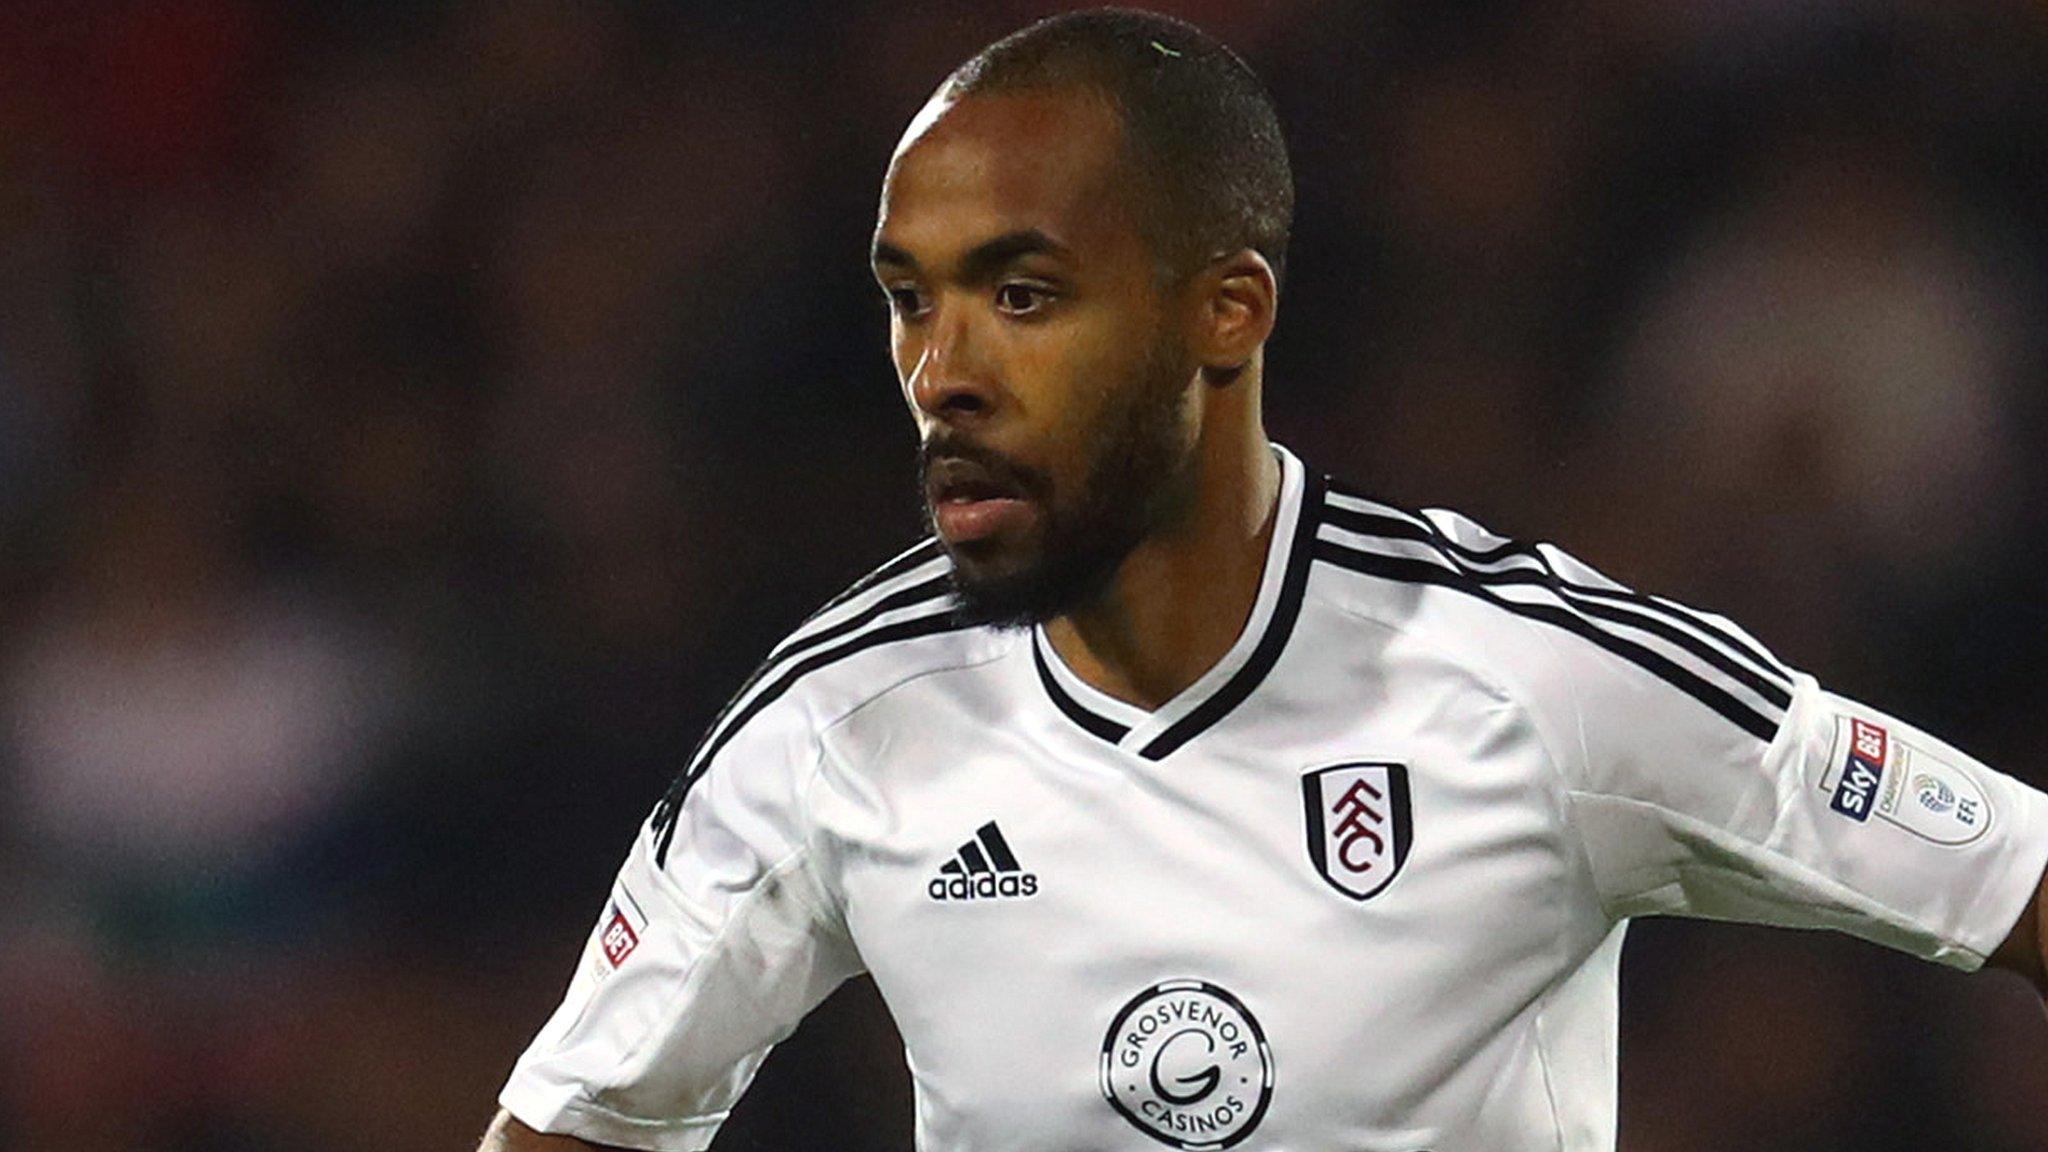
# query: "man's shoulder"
{"type": "Point", "coordinates": [897, 622]}
{"type": "Point", "coordinates": [1534, 615]}
{"type": "Point", "coordinates": [894, 625]}
{"type": "Point", "coordinates": [1431, 572]}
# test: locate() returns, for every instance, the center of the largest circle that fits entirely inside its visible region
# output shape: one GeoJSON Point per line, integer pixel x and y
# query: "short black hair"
{"type": "Point", "coordinates": [1199, 124]}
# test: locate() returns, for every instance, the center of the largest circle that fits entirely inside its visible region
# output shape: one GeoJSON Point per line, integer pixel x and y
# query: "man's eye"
{"type": "Point", "coordinates": [904, 301]}
{"type": "Point", "coordinates": [1022, 299]}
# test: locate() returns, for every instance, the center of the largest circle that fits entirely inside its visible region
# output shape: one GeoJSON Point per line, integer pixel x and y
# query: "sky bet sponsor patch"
{"type": "Point", "coordinates": [618, 934]}
{"type": "Point", "coordinates": [1856, 792]}
{"type": "Point", "coordinates": [1872, 771]}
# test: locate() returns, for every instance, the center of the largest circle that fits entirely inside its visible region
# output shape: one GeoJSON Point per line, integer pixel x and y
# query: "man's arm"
{"type": "Point", "coordinates": [720, 934]}
{"type": "Point", "coordinates": [1705, 778]}
{"type": "Point", "coordinates": [509, 1135]}
{"type": "Point", "coordinates": [2022, 950]}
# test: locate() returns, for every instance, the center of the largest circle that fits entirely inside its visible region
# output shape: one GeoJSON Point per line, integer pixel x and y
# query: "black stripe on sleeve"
{"type": "Point", "coordinates": [1773, 683]}
{"type": "Point", "coordinates": [926, 589]}
{"type": "Point", "coordinates": [922, 552]}
{"type": "Point", "coordinates": [1380, 524]}
{"type": "Point", "coordinates": [915, 593]}
{"type": "Point", "coordinates": [1411, 571]}
{"type": "Point", "coordinates": [788, 648]}
{"type": "Point", "coordinates": [663, 822]}
{"type": "Point", "coordinates": [902, 598]}
{"type": "Point", "coordinates": [1632, 616]}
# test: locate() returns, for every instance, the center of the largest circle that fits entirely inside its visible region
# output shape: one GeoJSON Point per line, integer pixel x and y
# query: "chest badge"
{"type": "Point", "coordinates": [984, 868]}
{"type": "Point", "coordinates": [1359, 825]}
{"type": "Point", "coordinates": [1187, 1064]}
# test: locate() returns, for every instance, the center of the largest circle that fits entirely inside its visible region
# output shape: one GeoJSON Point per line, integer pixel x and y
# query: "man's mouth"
{"type": "Point", "coordinates": [971, 502]}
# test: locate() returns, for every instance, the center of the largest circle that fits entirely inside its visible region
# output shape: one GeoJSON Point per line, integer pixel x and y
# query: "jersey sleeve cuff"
{"type": "Point", "coordinates": [2010, 882]}
{"type": "Point", "coordinates": [546, 1109]}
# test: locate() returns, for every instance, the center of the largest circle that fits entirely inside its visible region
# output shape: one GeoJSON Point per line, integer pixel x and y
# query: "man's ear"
{"type": "Point", "coordinates": [1237, 299]}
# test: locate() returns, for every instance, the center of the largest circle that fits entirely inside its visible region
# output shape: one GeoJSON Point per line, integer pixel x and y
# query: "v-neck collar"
{"type": "Point", "coordinates": [1154, 735]}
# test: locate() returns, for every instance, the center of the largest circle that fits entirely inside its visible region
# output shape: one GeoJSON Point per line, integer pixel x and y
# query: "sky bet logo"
{"type": "Point", "coordinates": [983, 869]}
{"type": "Point", "coordinates": [1869, 748]}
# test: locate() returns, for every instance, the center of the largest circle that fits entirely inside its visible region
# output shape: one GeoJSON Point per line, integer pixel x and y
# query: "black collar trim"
{"type": "Point", "coordinates": [1276, 630]}
{"type": "Point", "coordinates": [1101, 726]}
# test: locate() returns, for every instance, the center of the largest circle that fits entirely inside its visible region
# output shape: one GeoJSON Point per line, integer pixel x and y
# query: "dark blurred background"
{"type": "Point", "coordinates": [414, 419]}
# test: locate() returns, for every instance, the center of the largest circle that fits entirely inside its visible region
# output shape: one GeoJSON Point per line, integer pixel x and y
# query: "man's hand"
{"type": "Point", "coordinates": [509, 1135]}
{"type": "Point", "coordinates": [2022, 950]}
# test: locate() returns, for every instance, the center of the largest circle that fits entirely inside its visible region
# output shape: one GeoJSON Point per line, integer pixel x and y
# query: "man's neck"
{"type": "Point", "coordinates": [1181, 599]}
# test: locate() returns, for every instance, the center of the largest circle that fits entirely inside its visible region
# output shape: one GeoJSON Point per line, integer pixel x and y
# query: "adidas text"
{"type": "Point", "coordinates": [986, 886]}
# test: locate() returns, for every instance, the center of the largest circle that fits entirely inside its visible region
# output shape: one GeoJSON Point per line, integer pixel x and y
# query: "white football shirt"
{"type": "Point", "coordinates": [1362, 886]}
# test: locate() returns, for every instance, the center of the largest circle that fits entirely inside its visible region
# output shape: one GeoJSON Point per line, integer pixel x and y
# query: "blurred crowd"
{"type": "Point", "coordinates": [414, 419]}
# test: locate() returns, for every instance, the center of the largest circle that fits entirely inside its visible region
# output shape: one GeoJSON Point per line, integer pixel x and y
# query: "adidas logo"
{"type": "Point", "coordinates": [983, 869]}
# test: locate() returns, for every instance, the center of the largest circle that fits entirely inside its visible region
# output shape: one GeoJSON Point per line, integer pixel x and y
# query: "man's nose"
{"type": "Point", "coordinates": [951, 380]}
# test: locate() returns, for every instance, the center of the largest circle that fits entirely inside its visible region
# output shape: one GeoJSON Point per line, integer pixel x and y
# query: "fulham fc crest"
{"type": "Point", "coordinates": [1358, 825]}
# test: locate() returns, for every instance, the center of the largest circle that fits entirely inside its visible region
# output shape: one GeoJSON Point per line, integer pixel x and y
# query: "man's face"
{"type": "Point", "coordinates": [1041, 355]}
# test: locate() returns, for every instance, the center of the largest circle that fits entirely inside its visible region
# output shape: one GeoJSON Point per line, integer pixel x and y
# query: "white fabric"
{"type": "Point", "coordinates": [1559, 782]}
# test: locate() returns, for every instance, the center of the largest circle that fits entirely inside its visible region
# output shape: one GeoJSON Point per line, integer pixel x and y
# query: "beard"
{"type": "Point", "coordinates": [1139, 479]}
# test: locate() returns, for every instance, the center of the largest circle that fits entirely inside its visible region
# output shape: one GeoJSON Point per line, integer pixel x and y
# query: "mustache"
{"type": "Point", "coordinates": [957, 454]}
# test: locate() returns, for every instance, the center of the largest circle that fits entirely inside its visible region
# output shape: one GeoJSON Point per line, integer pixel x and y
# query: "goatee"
{"type": "Point", "coordinates": [1140, 479]}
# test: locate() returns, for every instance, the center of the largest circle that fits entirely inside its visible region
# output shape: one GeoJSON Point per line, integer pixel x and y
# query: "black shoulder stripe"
{"type": "Point", "coordinates": [663, 819]}
{"type": "Point", "coordinates": [1654, 625]}
{"type": "Point", "coordinates": [1418, 528]}
{"type": "Point", "coordinates": [1767, 678]}
{"type": "Point", "coordinates": [1271, 644]}
{"type": "Point", "coordinates": [1411, 571]}
{"type": "Point", "coordinates": [800, 643]}
{"type": "Point", "coordinates": [1375, 524]}
{"type": "Point", "coordinates": [930, 589]}
{"type": "Point", "coordinates": [666, 813]}
{"type": "Point", "coordinates": [922, 552]}
{"type": "Point", "coordinates": [1628, 612]}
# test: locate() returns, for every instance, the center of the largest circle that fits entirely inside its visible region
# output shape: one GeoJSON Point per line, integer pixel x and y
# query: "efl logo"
{"type": "Point", "coordinates": [1869, 750]}
{"type": "Point", "coordinates": [619, 939]}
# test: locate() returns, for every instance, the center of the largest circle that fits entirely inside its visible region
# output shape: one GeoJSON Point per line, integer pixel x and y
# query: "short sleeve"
{"type": "Point", "coordinates": [718, 937]}
{"type": "Point", "coordinates": [1705, 779]}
